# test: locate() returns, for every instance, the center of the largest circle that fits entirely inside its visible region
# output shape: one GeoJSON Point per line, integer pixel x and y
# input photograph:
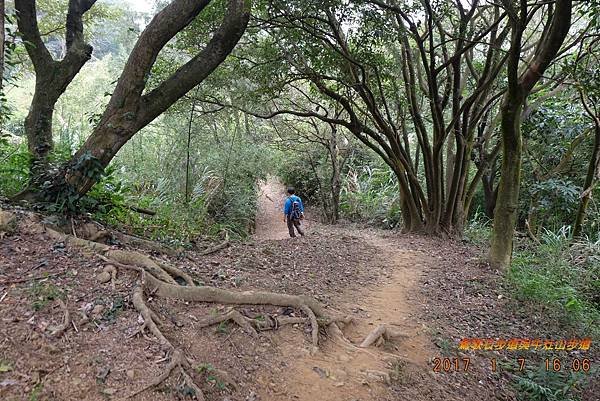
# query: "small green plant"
{"type": "Point", "coordinates": [205, 368]}
{"type": "Point", "coordinates": [116, 307]}
{"type": "Point", "coordinates": [35, 392]}
{"type": "Point", "coordinates": [209, 370]}
{"type": "Point", "coordinates": [398, 372]}
{"type": "Point", "coordinates": [446, 346]}
{"type": "Point", "coordinates": [5, 366]}
{"type": "Point", "coordinates": [221, 385]}
{"type": "Point", "coordinates": [223, 328]}
{"type": "Point", "coordinates": [547, 385]}
{"type": "Point", "coordinates": [42, 293]}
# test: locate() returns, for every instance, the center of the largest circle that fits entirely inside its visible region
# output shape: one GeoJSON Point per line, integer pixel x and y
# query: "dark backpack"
{"type": "Point", "coordinates": [295, 213]}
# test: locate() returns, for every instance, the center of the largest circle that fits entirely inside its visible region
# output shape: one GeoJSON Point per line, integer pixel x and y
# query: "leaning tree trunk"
{"type": "Point", "coordinates": [52, 77]}
{"type": "Point", "coordinates": [588, 186]}
{"type": "Point", "coordinates": [410, 210]}
{"type": "Point", "coordinates": [130, 109]}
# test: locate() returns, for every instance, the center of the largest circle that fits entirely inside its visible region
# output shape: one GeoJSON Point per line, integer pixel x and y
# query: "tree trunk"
{"type": "Point", "coordinates": [1, 54]}
{"type": "Point", "coordinates": [51, 77]}
{"type": "Point", "coordinates": [505, 213]}
{"type": "Point", "coordinates": [519, 87]}
{"type": "Point", "coordinates": [410, 211]}
{"type": "Point", "coordinates": [335, 184]}
{"type": "Point", "coordinates": [130, 109]}
{"type": "Point", "coordinates": [189, 140]}
{"type": "Point", "coordinates": [588, 187]}
{"type": "Point", "coordinates": [490, 194]}
{"type": "Point", "coordinates": [38, 123]}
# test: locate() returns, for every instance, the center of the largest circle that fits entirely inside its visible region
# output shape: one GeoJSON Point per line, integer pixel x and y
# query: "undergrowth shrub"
{"type": "Point", "coordinates": [370, 194]}
{"type": "Point", "coordinates": [563, 277]}
{"type": "Point", "coordinates": [296, 171]}
{"type": "Point", "coordinates": [14, 167]}
{"type": "Point", "coordinates": [478, 229]}
{"type": "Point", "coordinates": [544, 384]}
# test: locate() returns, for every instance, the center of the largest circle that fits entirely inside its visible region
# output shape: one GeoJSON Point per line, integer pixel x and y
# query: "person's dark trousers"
{"type": "Point", "coordinates": [291, 223]}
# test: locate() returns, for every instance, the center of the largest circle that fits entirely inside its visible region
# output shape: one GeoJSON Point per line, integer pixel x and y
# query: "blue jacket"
{"type": "Point", "coordinates": [287, 209]}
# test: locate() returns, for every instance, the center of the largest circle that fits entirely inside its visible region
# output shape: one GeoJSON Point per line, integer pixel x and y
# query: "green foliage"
{"type": "Point", "coordinates": [478, 229]}
{"type": "Point", "coordinates": [370, 194]}
{"type": "Point", "coordinates": [547, 385]}
{"type": "Point", "coordinates": [116, 306]}
{"type": "Point", "coordinates": [562, 278]}
{"type": "Point", "coordinates": [60, 195]}
{"type": "Point", "coordinates": [211, 378]}
{"type": "Point", "coordinates": [557, 200]}
{"type": "Point", "coordinates": [557, 149]}
{"type": "Point", "coordinates": [42, 293]}
{"type": "Point", "coordinates": [14, 166]}
{"type": "Point", "coordinates": [36, 392]}
{"type": "Point", "coordinates": [106, 196]}
{"type": "Point", "coordinates": [5, 366]}
{"type": "Point", "coordinates": [222, 328]}
{"type": "Point", "coordinates": [205, 367]}
{"type": "Point", "coordinates": [295, 170]}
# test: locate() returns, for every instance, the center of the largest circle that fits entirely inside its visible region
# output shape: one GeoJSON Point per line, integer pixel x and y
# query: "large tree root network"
{"type": "Point", "coordinates": [161, 280]}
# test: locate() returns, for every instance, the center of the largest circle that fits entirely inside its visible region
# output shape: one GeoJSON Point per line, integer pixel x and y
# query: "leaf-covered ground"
{"type": "Point", "coordinates": [438, 291]}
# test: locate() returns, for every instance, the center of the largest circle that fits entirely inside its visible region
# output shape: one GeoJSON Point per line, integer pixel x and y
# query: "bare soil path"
{"type": "Point", "coordinates": [344, 371]}
{"type": "Point", "coordinates": [433, 291]}
{"type": "Point", "coordinates": [340, 372]}
{"type": "Point", "coordinates": [269, 219]}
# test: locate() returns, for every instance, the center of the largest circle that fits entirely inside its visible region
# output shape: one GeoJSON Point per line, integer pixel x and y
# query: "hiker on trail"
{"type": "Point", "coordinates": [293, 212]}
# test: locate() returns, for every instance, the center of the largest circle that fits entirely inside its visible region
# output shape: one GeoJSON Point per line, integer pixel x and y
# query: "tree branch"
{"type": "Point", "coordinates": [28, 26]}
{"type": "Point", "coordinates": [200, 66]}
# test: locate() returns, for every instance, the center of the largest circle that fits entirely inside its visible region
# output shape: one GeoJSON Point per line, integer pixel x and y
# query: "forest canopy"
{"type": "Point", "coordinates": [417, 114]}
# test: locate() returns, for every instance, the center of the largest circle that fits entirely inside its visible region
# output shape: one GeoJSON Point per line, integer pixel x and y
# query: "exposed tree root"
{"type": "Point", "coordinates": [159, 279]}
{"type": "Point", "coordinates": [109, 273]}
{"type": "Point", "coordinates": [59, 330]}
{"type": "Point", "coordinates": [380, 334]}
{"type": "Point", "coordinates": [94, 233]}
{"type": "Point", "coordinates": [138, 242]}
{"type": "Point", "coordinates": [100, 236]}
{"type": "Point", "coordinates": [176, 272]}
{"type": "Point", "coordinates": [141, 260]}
{"type": "Point", "coordinates": [69, 240]}
{"type": "Point", "coordinates": [215, 248]}
{"type": "Point", "coordinates": [231, 314]}
{"type": "Point", "coordinates": [121, 265]}
{"type": "Point", "coordinates": [178, 361]}
{"type": "Point", "coordinates": [311, 307]}
{"type": "Point", "coordinates": [8, 222]}
{"type": "Point", "coordinates": [151, 320]}
{"type": "Point", "coordinates": [252, 324]}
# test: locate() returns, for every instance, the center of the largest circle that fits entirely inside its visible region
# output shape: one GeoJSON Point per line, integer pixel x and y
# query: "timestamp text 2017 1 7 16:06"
{"type": "Point", "coordinates": [446, 365]}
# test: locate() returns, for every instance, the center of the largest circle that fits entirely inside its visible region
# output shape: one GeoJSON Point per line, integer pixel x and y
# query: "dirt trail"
{"type": "Point", "coordinates": [360, 273]}
{"type": "Point", "coordinates": [269, 222]}
{"type": "Point", "coordinates": [340, 372]}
